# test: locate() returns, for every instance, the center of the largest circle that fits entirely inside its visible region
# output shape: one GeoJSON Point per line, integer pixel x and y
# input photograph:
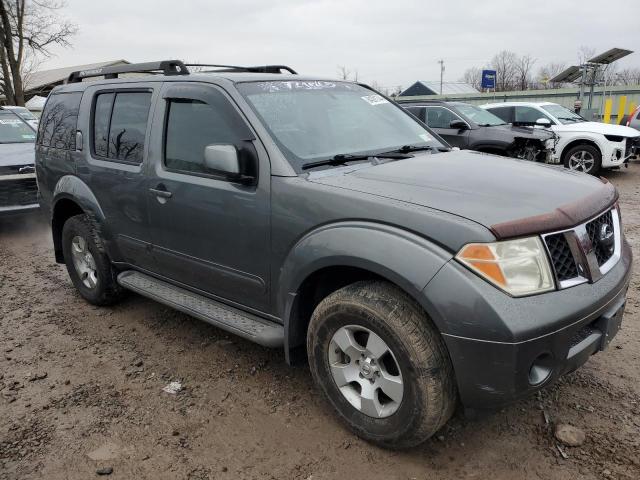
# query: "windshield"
{"type": "Point", "coordinates": [478, 115]}
{"type": "Point", "coordinates": [14, 130]}
{"type": "Point", "coordinates": [564, 115]}
{"type": "Point", "coordinates": [317, 120]}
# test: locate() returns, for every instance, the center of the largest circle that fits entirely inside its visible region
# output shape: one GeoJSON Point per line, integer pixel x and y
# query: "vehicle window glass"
{"type": "Point", "coordinates": [529, 115]}
{"type": "Point", "coordinates": [14, 130]}
{"type": "Point", "coordinates": [316, 120]}
{"type": "Point", "coordinates": [417, 111]}
{"type": "Point", "coordinates": [505, 113]}
{"type": "Point", "coordinates": [191, 126]}
{"type": "Point", "coordinates": [128, 126]}
{"type": "Point", "coordinates": [563, 114]}
{"type": "Point", "coordinates": [59, 120]}
{"type": "Point", "coordinates": [101, 117]}
{"type": "Point", "coordinates": [439, 117]}
{"type": "Point", "coordinates": [482, 117]}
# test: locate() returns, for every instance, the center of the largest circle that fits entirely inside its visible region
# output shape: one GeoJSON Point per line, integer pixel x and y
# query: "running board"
{"type": "Point", "coordinates": [245, 325]}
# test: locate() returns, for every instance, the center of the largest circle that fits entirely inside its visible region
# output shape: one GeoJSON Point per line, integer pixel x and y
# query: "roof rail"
{"type": "Point", "coordinates": [236, 68]}
{"type": "Point", "coordinates": [167, 67]}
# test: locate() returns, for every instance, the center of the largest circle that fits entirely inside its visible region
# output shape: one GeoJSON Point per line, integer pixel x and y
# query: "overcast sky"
{"type": "Point", "coordinates": [393, 42]}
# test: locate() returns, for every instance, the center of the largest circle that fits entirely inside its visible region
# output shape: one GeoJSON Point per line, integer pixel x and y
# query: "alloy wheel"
{"type": "Point", "coordinates": [84, 262]}
{"type": "Point", "coordinates": [582, 161]}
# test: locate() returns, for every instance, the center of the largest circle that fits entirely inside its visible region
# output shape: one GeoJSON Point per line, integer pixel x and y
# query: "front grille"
{"type": "Point", "coordinates": [593, 230]}
{"type": "Point", "coordinates": [18, 192]}
{"type": "Point", "coordinates": [16, 169]}
{"type": "Point", "coordinates": [561, 257]}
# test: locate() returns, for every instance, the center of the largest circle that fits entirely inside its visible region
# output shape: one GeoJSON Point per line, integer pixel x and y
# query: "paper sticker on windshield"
{"type": "Point", "coordinates": [10, 121]}
{"type": "Point", "coordinates": [375, 99]}
{"type": "Point", "coordinates": [426, 137]}
{"type": "Point", "coordinates": [28, 136]}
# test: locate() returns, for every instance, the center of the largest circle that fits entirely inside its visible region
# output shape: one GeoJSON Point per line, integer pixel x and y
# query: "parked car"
{"type": "Point", "coordinates": [582, 145]}
{"type": "Point", "coordinates": [18, 189]}
{"type": "Point", "coordinates": [318, 217]}
{"type": "Point", "coordinates": [25, 114]}
{"type": "Point", "coordinates": [633, 119]}
{"type": "Point", "coordinates": [470, 127]}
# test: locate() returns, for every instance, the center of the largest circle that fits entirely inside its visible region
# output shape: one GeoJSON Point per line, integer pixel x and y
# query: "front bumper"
{"type": "Point", "coordinates": [504, 348]}
{"type": "Point", "coordinates": [18, 193]}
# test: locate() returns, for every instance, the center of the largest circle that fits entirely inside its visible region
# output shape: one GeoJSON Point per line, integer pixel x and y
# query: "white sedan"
{"type": "Point", "coordinates": [582, 145]}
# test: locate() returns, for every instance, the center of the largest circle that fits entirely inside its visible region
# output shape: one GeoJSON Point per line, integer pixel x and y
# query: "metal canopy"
{"type": "Point", "coordinates": [610, 56]}
{"type": "Point", "coordinates": [570, 74]}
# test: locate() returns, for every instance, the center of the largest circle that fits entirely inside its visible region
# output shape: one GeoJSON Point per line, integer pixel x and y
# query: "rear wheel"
{"type": "Point", "coordinates": [583, 158]}
{"type": "Point", "coordinates": [88, 265]}
{"type": "Point", "coordinates": [381, 364]}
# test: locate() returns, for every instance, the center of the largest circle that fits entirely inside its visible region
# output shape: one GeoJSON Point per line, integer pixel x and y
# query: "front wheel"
{"type": "Point", "coordinates": [381, 364]}
{"type": "Point", "coordinates": [583, 158]}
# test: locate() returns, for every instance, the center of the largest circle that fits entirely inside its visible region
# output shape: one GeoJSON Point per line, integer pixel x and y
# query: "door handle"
{"type": "Point", "coordinates": [161, 193]}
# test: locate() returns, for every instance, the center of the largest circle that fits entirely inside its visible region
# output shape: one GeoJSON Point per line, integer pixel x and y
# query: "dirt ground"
{"type": "Point", "coordinates": [81, 390]}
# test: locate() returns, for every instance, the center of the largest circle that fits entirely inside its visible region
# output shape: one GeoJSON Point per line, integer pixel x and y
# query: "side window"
{"type": "Point", "coordinates": [59, 121]}
{"type": "Point", "coordinates": [504, 113]}
{"type": "Point", "coordinates": [120, 125]}
{"type": "Point", "coordinates": [191, 125]}
{"type": "Point", "coordinates": [528, 115]}
{"type": "Point", "coordinates": [439, 117]}
{"type": "Point", "coordinates": [417, 111]}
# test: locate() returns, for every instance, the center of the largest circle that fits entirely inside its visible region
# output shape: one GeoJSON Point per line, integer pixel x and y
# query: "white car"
{"type": "Point", "coordinates": [582, 145]}
{"type": "Point", "coordinates": [25, 114]}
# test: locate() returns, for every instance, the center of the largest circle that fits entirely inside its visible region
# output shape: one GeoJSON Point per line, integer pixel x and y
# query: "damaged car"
{"type": "Point", "coordinates": [471, 128]}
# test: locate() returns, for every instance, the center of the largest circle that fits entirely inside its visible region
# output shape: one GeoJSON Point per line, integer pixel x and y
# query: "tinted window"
{"type": "Point", "coordinates": [59, 121]}
{"type": "Point", "coordinates": [529, 115]}
{"type": "Point", "coordinates": [191, 126]}
{"type": "Point", "coordinates": [101, 117]}
{"type": "Point", "coordinates": [438, 117]}
{"type": "Point", "coordinates": [417, 111]}
{"type": "Point", "coordinates": [505, 113]}
{"type": "Point", "coordinates": [128, 126]}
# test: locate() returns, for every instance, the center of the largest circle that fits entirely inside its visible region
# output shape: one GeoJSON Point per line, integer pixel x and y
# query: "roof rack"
{"type": "Point", "coordinates": [236, 68]}
{"type": "Point", "coordinates": [167, 67]}
{"type": "Point", "coordinates": [170, 67]}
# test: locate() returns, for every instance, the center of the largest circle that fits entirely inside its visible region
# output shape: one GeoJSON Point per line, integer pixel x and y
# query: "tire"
{"type": "Point", "coordinates": [415, 347]}
{"type": "Point", "coordinates": [97, 270]}
{"type": "Point", "coordinates": [587, 152]}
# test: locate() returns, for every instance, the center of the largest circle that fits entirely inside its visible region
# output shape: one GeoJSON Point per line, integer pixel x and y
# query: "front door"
{"type": "Point", "coordinates": [208, 233]}
{"type": "Point", "coordinates": [439, 119]}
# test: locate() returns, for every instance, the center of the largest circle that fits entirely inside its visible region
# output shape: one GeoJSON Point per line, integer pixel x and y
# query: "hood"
{"type": "Point", "coordinates": [491, 190]}
{"type": "Point", "coordinates": [523, 132]}
{"type": "Point", "coordinates": [17, 154]}
{"type": "Point", "coordinates": [596, 127]}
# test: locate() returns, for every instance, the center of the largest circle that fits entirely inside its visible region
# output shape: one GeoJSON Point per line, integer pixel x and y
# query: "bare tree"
{"type": "Point", "coordinates": [626, 76]}
{"type": "Point", "coordinates": [523, 67]}
{"type": "Point", "coordinates": [504, 63]}
{"type": "Point", "coordinates": [343, 72]}
{"type": "Point", "coordinates": [585, 53]}
{"type": "Point", "coordinates": [28, 29]}
{"type": "Point", "coordinates": [547, 72]}
{"type": "Point", "coordinates": [473, 76]}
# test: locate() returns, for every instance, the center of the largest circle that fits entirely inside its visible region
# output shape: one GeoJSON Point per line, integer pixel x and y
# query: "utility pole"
{"type": "Point", "coordinates": [441, 62]}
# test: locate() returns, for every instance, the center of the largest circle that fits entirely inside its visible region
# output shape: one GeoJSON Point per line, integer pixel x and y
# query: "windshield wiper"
{"type": "Point", "coordinates": [415, 148]}
{"type": "Point", "coordinates": [490, 124]}
{"type": "Point", "coordinates": [341, 159]}
{"type": "Point", "coordinates": [572, 119]}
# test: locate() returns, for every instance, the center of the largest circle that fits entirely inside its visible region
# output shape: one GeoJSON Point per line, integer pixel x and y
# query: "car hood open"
{"type": "Point", "coordinates": [510, 197]}
{"type": "Point", "coordinates": [16, 154]}
{"type": "Point", "coordinates": [596, 127]}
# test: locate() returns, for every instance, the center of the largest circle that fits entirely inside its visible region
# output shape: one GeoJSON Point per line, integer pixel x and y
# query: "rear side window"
{"type": "Point", "coordinates": [505, 113]}
{"type": "Point", "coordinates": [120, 125]}
{"type": "Point", "coordinates": [191, 126]}
{"type": "Point", "coordinates": [59, 121]}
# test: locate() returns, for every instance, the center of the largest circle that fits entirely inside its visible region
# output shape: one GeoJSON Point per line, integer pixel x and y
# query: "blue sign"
{"type": "Point", "coordinates": [488, 79]}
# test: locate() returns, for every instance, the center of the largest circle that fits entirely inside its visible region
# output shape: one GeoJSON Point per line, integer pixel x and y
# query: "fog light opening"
{"type": "Point", "coordinates": [541, 369]}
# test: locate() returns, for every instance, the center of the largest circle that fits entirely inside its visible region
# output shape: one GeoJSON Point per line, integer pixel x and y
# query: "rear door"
{"type": "Point", "coordinates": [439, 118]}
{"type": "Point", "coordinates": [208, 233]}
{"type": "Point", "coordinates": [114, 123]}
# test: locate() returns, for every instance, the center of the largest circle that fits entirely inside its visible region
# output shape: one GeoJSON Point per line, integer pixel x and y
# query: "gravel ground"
{"type": "Point", "coordinates": [81, 392]}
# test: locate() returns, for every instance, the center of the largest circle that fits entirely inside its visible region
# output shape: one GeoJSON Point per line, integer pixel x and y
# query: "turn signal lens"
{"type": "Point", "coordinates": [519, 267]}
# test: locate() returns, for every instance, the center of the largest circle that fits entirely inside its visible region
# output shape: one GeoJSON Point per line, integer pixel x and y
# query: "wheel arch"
{"type": "Point", "coordinates": [71, 196]}
{"type": "Point", "coordinates": [337, 255]}
{"type": "Point", "coordinates": [579, 141]}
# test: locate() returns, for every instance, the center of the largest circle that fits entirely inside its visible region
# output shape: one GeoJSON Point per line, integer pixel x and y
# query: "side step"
{"type": "Point", "coordinates": [245, 325]}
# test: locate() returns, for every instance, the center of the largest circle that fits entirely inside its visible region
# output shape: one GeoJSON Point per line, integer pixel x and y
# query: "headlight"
{"type": "Point", "coordinates": [519, 267]}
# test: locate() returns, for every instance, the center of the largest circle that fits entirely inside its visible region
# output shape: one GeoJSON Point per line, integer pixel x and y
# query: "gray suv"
{"type": "Point", "coordinates": [319, 217]}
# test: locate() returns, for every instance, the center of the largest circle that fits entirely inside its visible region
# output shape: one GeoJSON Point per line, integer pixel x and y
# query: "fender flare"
{"type": "Point", "coordinates": [400, 256]}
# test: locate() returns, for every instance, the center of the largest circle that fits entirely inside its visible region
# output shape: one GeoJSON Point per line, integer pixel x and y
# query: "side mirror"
{"type": "Point", "coordinates": [543, 122]}
{"type": "Point", "coordinates": [225, 160]}
{"type": "Point", "coordinates": [458, 125]}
